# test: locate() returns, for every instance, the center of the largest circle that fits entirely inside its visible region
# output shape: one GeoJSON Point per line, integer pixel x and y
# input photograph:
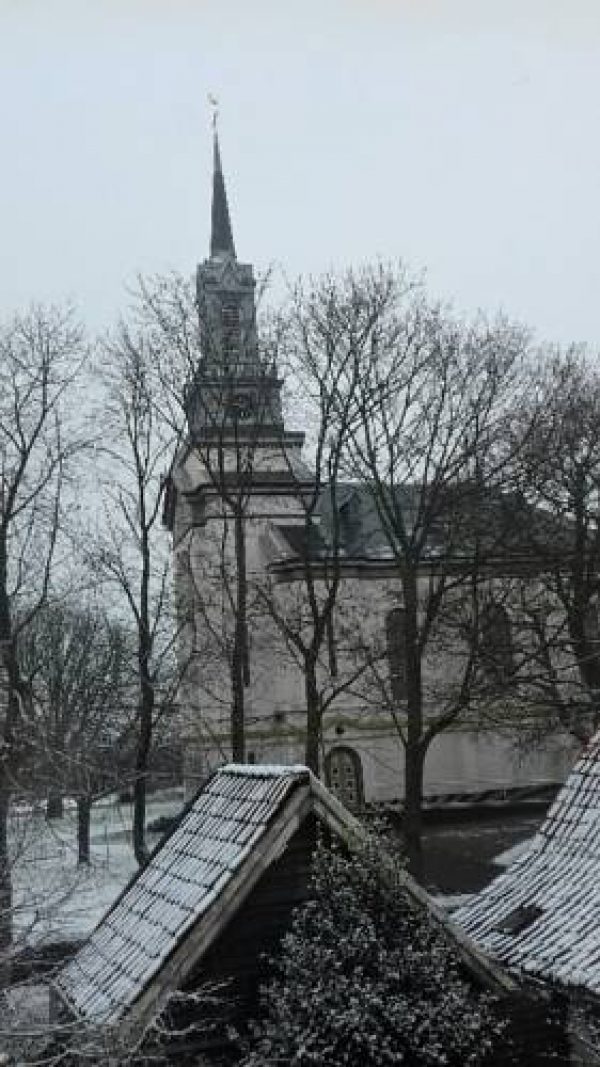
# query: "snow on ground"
{"type": "Point", "coordinates": [54, 899]}
{"type": "Point", "coordinates": [510, 855]}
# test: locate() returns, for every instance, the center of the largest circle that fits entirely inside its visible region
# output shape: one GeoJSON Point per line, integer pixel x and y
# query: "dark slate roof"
{"type": "Point", "coordinates": [360, 529]}
{"type": "Point", "coordinates": [445, 523]}
{"type": "Point", "coordinates": [187, 873]}
{"type": "Point", "coordinates": [542, 916]}
{"type": "Point", "coordinates": [299, 536]}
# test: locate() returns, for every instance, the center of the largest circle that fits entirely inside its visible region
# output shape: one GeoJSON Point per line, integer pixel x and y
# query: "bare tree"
{"type": "Point", "coordinates": [322, 338]}
{"type": "Point", "coordinates": [231, 407]}
{"type": "Point", "coordinates": [130, 551]}
{"type": "Point", "coordinates": [556, 471]}
{"type": "Point", "coordinates": [420, 404]}
{"type": "Point", "coordinates": [397, 397]}
{"type": "Point", "coordinates": [40, 355]}
{"type": "Point", "coordinates": [76, 662]}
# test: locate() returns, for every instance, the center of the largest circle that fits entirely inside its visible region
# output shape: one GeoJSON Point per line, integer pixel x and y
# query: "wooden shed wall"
{"type": "Point", "coordinates": [239, 957]}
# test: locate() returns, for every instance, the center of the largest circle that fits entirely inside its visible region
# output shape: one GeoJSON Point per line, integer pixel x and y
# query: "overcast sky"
{"type": "Point", "coordinates": [460, 135]}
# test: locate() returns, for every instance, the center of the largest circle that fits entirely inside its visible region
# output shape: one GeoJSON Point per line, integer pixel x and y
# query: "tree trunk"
{"type": "Point", "coordinates": [413, 809]}
{"type": "Point", "coordinates": [240, 667]}
{"type": "Point", "coordinates": [146, 710]}
{"type": "Point", "coordinates": [5, 886]}
{"type": "Point", "coordinates": [84, 816]}
{"type": "Point", "coordinates": [141, 772]}
{"type": "Point", "coordinates": [414, 753]}
{"type": "Point", "coordinates": [581, 596]}
{"type": "Point", "coordinates": [16, 696]}
{"type": "Point", "coordinates": [313, 717]}
{"type": "Point", "coordinates": [238, 746]}
{"type": "Point", "coordinates": [55, 808]}
{"type": "Point", "coordinates": [139, 817]}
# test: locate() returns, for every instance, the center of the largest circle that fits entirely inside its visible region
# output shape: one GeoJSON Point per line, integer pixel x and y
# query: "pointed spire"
{"type": "Point", "coordinates": [221, 237]}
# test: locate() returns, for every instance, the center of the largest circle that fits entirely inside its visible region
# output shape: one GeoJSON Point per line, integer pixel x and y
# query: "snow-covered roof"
{"type": "Point", "coordinates": [542, 915]}
{"type": "Point", "coordinates": [186, 874]}
{"type": "Point", "coordinates": [175, 908]}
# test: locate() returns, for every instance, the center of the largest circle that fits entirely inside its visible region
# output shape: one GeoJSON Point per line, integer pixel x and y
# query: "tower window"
{"type": "Point", "coordinates": [230, 320]}
{"type": "Point", "coordinates": [344, 776]}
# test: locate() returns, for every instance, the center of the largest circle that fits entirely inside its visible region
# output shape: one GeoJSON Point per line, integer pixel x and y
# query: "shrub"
{"type": "Point", "coordinates": [365, 977]}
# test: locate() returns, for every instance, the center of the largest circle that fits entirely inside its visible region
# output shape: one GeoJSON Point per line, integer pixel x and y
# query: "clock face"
{"type": "Point", "coordinates": [240, 406]}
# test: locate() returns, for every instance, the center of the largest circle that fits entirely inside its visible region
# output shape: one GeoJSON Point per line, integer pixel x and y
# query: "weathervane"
{"type": "Point", "coordinates": [214, 104]}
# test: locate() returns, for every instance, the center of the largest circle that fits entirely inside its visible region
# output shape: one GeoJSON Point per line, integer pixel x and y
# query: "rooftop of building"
{"type": "Point", "coordinates": [541, 917]}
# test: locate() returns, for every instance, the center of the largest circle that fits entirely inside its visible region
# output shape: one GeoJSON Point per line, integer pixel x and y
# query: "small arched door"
{"type": "Point", "coordinates": [343, 774]}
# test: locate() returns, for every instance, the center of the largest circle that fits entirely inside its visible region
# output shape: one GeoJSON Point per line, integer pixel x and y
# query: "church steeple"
{"type": "Point", "coordinates": [234, 390]}
{"type": "Point", "coordinates": [221, 236]}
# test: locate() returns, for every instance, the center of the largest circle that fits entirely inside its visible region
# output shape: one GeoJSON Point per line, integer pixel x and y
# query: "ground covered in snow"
{"type": "Point", "coordinates": [54, 898]}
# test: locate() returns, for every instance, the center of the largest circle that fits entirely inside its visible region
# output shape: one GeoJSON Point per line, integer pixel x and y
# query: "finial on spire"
{"type": "Point", "coordinates": [221, 235]}
{"type": "Point", "coordinates": [214, 105]}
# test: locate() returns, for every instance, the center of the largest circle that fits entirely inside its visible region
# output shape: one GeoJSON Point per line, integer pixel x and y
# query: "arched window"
{"type": "Point", "coordinates": [495, 643]}
{"type": "Point", "coordinates": [343, 775]}
{"type": "Point", "coordinates": [395, 633]}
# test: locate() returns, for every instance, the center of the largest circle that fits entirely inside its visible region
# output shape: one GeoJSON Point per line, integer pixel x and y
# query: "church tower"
{"type": "Point", "coordinates": [237, 473]}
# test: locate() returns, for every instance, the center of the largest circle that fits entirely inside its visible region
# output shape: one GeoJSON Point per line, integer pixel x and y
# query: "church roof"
{"type": "Point", "coordinates": [303, 539]}
{"type": "Point", "coordinates": [197, 879]}
{"type": "Point", "coordinates": [541, 917]}
{"type": "Point", "coordinates": [446, 526]}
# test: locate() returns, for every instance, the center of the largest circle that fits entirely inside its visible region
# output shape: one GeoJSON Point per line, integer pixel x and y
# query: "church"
{"type": "Point", "coordinates": [252, 578]}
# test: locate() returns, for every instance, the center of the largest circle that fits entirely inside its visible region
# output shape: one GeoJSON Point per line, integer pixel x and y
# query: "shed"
{"type": "Point", "coordinates": [217, 894]}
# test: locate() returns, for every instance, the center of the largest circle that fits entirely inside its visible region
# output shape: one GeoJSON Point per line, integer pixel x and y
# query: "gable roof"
{"type": "Point", "coordinates": [196, 880]}
{"type": "Point", "coordinates": [542, 915]}
{"type": "Point", "coordinates": [187, 873]}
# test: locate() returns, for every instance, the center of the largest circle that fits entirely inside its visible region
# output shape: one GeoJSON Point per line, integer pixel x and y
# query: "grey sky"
{"type": "Point", "coordinates": [466, 142]}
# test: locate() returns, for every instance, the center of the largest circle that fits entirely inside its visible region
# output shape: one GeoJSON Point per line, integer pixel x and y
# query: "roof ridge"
{"type": "Point", "coordinates": [265, 770]}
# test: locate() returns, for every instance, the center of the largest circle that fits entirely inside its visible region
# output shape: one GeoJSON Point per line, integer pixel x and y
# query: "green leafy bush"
{"type": "Point", "coordinates": [366, 978]}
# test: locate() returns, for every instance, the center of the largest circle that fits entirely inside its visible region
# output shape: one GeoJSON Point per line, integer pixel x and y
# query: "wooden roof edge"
{"type": "Point", "coordinates": [60, 1004]}
{"type": "Point", "coordinates": [495, 977]}
{"type": "Point", "coordinates": [198, 939]}
{"type": "Point", "coordinates": [335, 815]}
